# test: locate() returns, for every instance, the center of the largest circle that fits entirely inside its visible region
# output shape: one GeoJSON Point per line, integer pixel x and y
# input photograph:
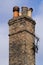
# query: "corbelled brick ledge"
{"type": "Point", "coordinates": [15, 20]}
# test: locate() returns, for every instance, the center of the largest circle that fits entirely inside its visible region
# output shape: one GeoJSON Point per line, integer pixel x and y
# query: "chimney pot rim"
{"type": "Point", "coordinates": [24, 7]}
{"type": "Point", "coordinates": [31, 9]}
{"type": "Point", "coordinates": [16, 8]}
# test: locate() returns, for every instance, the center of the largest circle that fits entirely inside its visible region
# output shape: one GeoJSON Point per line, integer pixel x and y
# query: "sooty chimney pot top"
{"type": "Point", "coordinates": [16, 8]}
{"type": "Point", "coordinates": [31, 9]}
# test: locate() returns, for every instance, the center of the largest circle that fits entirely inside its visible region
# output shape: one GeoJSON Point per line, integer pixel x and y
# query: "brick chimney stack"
{"type": "Point", "coordinates": [22, 37]}
{"type": "Point", "coordinates": [15, 11]}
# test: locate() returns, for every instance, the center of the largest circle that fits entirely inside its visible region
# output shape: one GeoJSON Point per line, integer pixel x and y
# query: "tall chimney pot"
{"type": "Point", "coordinates": [15, 11]}
{"type": "Point", "coordinates": [30, 10]}
{"type": "Point", "coordinates": [24, 11]}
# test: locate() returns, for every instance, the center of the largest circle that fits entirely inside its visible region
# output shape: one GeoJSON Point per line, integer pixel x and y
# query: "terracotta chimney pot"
{"type": "Point", "coordinates": [15, 11]}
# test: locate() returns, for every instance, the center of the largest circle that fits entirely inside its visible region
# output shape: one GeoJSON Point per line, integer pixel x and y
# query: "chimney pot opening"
{"type": "Point", "coordinates": [16, 8]}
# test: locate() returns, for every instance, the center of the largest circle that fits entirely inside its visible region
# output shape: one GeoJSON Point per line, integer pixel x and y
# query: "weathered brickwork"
{"type": "Point", "coordinates": [21, 41]}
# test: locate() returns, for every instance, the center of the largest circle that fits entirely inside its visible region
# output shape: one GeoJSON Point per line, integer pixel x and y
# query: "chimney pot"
{"type": "Point", "coordinates": [15, 11]}
{"type": "Point", "coordinates": [30, 10]}
{"type": "Point", "coordinates": [24, 11]}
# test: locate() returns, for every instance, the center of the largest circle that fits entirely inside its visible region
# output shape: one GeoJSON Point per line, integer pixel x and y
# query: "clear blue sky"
{"type": "Point", "coordinates": [6, 13]}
